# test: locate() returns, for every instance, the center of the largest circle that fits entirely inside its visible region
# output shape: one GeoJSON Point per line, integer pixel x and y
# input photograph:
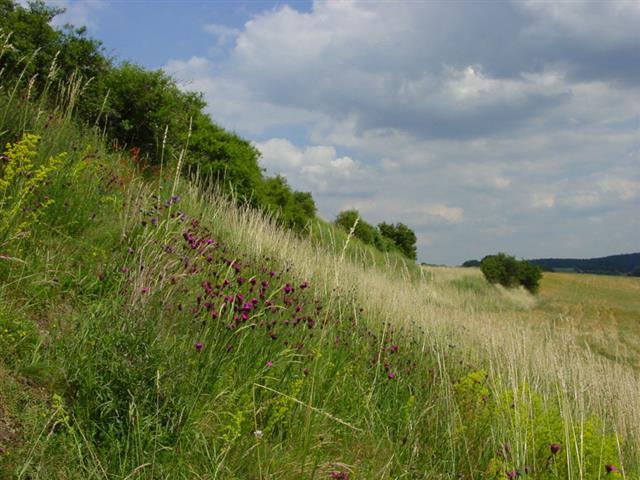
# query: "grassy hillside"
{"type": "Point", "coordinates": [150, 329]}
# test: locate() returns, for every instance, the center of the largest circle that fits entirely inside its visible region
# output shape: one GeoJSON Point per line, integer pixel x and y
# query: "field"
{"type": "Point", "coordinates": [601, 312]}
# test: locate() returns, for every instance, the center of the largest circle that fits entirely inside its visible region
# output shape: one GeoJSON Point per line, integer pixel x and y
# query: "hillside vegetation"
{"type": "Point", "coordinates": [152, 326]}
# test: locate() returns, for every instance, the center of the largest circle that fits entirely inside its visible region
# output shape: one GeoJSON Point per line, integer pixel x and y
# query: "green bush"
{"type": "Point", "coordinates": [509, 272]}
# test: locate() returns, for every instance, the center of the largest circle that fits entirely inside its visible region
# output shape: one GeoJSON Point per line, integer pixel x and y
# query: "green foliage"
{"type": "Point", "coordinates": [529, 275]}
{"type": "Point", "coordinates": [293, 209]}
{"type": "Point", "coordinates": [471, 263]}
{"type": "Point", "coordinates": [529, 426]}
{"type": "Point", "coordinates": [38, 51]}
{"type": "Point", "coordinates": [141, 105]}
{"type": "Point", "coordinates": [18, 337]}
{"type": "Point", "coordinates": [351, 220]}
{"type": "Point", "coordinates": [386, 237]}
{"type": "Point", "coordinates": [402, 236]}
{"type": "Point", "coordinates": [22, 177]}
{"type": "Point", "coordinates": [222, 157]}
{"type": "Point", "coordinates": [509, 272]}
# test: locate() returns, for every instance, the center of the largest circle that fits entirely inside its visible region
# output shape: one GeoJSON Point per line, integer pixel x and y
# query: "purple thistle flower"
{"type": "Point", "coordinates": [287, 288]}
{"type": "Point", "coordinates": [269, 364]}
{"type": "Point", "coordinates": [610, 468]}
{"type": "Point", "coordinates": [391, 376]}
{"type": "Point", "coordinates": [337, 475]}
{"type": "Point", "coordinates": [304, 285]}
{"type": "Point", "coordinates": [555, 448]}
{"type": "Point", "coordinates": [199, 346]}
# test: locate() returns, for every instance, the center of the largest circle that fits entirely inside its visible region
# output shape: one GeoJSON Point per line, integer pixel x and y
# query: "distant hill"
{"type": "Point", "coordinates": [624, 264]}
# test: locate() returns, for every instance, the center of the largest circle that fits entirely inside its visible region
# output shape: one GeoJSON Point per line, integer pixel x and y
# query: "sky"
{"type": "Point", "coordinates": [484, 126]}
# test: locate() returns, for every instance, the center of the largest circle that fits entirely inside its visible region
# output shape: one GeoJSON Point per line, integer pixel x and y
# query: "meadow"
{"type": "Point", "coordinates": [151, 327]}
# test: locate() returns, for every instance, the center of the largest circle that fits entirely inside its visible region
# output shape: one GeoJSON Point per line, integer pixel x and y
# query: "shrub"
{"type": "Point", "coordinates": [529, 276]}
{"type": "Point", "coordinates": [509, 272]}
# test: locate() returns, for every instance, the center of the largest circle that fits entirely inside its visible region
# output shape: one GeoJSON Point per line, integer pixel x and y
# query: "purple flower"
{"type": "Point", "coordinates": [555, 448]}
{"type": "Point", "coordinates": [513, 474]}
{"type": "Point", "coordinates": [199, 346]}
{"type": "Point", "coordinates": [391, 376]}
{"type": "Point", "coordinates": [339, 475]}
{"type": "Point", "coordinates": [287, 288]}
{"type": "Point", "coordinates": [124, 270]}
{"type": "Point", "coordinates": [304, 285]}
{"type": "Point", "coordinates": [610, 468]}
{"type": "Point", "coordinates": [269, 364]}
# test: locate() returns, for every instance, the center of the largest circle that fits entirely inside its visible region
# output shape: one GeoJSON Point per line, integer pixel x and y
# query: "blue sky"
{"type": "Point", "coordinates": [485, 126]}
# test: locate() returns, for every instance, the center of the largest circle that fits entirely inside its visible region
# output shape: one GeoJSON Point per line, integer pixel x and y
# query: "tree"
{"type": "Point", "coordinates": [226, 159]}
{"type": "Point", "coordinates": [295, 209]}
{"type": "Point", "coordinates": [529, 275]}
{"type": "Point", "coordinates": [402, 236]}
{"type": "Point", "coordinates": [141, 104]}
{"type": "Point", "coordinates": [364, 231]}
{"type": "Point", "coordinates": [509, 272]}
{"type": "Point", "coordinates": [471, 263]}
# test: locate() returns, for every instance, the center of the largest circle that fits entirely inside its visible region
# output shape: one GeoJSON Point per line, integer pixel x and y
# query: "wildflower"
{"type": "Point", "coordinates": [339, 475]}
{"type": "Point", "coordinates": [391, 376]}
{"type": "Point", "coordinates": [304, 285]}
{"type": "Point", "coordinates": [555, 448]}
{"type": "Point", "coordinates": [124, 270]}
{"type": "Point", "coordinates": [287, 288]}
{"type": "Point", "coordinates": [258, 434]}
{"type": "Point", "coordinates": [269, 364]}
{"type": "Point", "coordinates": [393, 348]}
{"type": "Point", "coordinates": [199, 346]}
{"type": "Point", "coordinates": [610, 468]}
{"type": "Point", "coordinates": [513, 474]}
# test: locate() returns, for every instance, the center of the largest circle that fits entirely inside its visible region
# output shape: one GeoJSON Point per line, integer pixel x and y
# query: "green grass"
{"type": "Point", "coordinates": [128, 352]}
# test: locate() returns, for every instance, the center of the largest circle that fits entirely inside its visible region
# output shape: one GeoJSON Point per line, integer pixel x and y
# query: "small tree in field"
{"type": "Point", "coordinates": [509, 272]}
{"type": "Point", "coordinates": [529, 275]}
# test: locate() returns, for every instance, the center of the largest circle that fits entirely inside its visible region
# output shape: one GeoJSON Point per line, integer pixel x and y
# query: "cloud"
{"type": "Point", "coordinates": [317, 168]}
{"type": "Point", "coordinates": [222, 33]}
